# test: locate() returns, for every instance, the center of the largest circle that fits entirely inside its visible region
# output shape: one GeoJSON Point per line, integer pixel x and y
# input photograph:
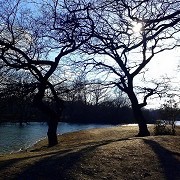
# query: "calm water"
{"type": "Point", "coordinates": [13, 137]}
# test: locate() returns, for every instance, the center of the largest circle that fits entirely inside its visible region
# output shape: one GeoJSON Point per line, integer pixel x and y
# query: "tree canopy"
{"type": "Point", "coordinates": [35, 36]}
{"type": "Point", "coordinates": [129, 34]}
{"type": "Point", "coordinates": [117, 37]}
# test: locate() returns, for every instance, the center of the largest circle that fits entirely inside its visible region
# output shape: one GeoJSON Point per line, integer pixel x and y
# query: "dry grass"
{"type": "Point", "coordinates": [111, 153]}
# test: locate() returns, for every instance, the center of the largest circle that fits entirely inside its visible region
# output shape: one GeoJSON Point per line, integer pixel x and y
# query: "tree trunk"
{"type": "Point", "coordinates": [51, 114]}
{"type": "Point", "coordinates": [52, 132]}
{"type": "Point", "coordinates": [140, 119]}
{"type": "Point", "coordinates": [138, 115]}
{"type": "Point", "coordinates": [52, 124]}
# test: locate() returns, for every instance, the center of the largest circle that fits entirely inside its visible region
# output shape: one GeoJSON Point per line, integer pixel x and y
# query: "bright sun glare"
{"type": "Point", "coordinates": [136, 27]}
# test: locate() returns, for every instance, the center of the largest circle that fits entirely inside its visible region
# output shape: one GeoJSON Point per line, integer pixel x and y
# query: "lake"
{"type": "Point", "coordinates": [14, 137]}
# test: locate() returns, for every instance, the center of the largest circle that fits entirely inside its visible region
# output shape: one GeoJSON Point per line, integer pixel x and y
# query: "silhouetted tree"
{"type": "Point", "coordinates": [35, 36]}
{"type": "Point", "coordinates": [127, 36]}
{"type": "Point", "coordinates": [169, 112]}
{"type": "Point", "coordinates": [98, 93]}
{"type": "Point", "coordinates": [16, 95]}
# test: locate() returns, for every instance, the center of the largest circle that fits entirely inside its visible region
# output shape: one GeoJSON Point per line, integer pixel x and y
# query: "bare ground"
{"type": "Point", "coordinates": [111, 153]}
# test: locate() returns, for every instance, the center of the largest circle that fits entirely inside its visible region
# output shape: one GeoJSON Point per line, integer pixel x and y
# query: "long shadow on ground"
{"type": "Point", "coordinates": [169, 163]}
{"type": "Point", "coordinates": [6, 163]}
{"type": "Point", "coordinates": [60, 165]}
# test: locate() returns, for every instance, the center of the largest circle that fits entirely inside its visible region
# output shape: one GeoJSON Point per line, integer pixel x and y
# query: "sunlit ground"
{"type": "Point", "coordinates": [112, 153]}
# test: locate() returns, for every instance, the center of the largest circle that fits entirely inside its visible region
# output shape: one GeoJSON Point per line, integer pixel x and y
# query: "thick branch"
{"type": "Point", "coordinates": [150, 93]}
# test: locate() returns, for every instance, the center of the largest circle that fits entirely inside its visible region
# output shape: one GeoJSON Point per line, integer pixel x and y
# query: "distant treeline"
{"type": "Point", "coordinates": [104, 113]}
{"type": "Point", "coordinates": [16, 105]}
{"type": "Point", "coordinates": [12, 110]}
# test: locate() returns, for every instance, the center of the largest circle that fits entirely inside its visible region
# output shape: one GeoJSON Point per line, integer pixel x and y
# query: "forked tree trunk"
{"type": "Point", "coordinates": [51, 114]}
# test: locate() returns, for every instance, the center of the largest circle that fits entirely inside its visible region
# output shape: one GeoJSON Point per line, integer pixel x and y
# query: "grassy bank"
{"type": "Point", "coordinates": [111, 153]}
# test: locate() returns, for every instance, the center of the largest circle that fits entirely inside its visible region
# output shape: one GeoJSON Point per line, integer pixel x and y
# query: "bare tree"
{"type": "Point", "coordinates": [128, 34]}
{"type": "Point", "coordinates": [169, 113]}
{"type": "Point", "coordinates": [17, 90]}
{"type": "Point", "coordinates": [35, 36]}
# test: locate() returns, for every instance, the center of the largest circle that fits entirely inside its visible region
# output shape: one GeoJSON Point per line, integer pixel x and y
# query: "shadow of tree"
{"type": "Point", "coordinates": [60, 165]}
{"type": "Point", "coordinates": [169, 163]}
{"type": "Point", "coordinates": [6, 163]}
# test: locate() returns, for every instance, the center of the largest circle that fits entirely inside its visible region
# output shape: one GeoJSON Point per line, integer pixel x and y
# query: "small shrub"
{"type": "Point", "coordinates": [163, 127]}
